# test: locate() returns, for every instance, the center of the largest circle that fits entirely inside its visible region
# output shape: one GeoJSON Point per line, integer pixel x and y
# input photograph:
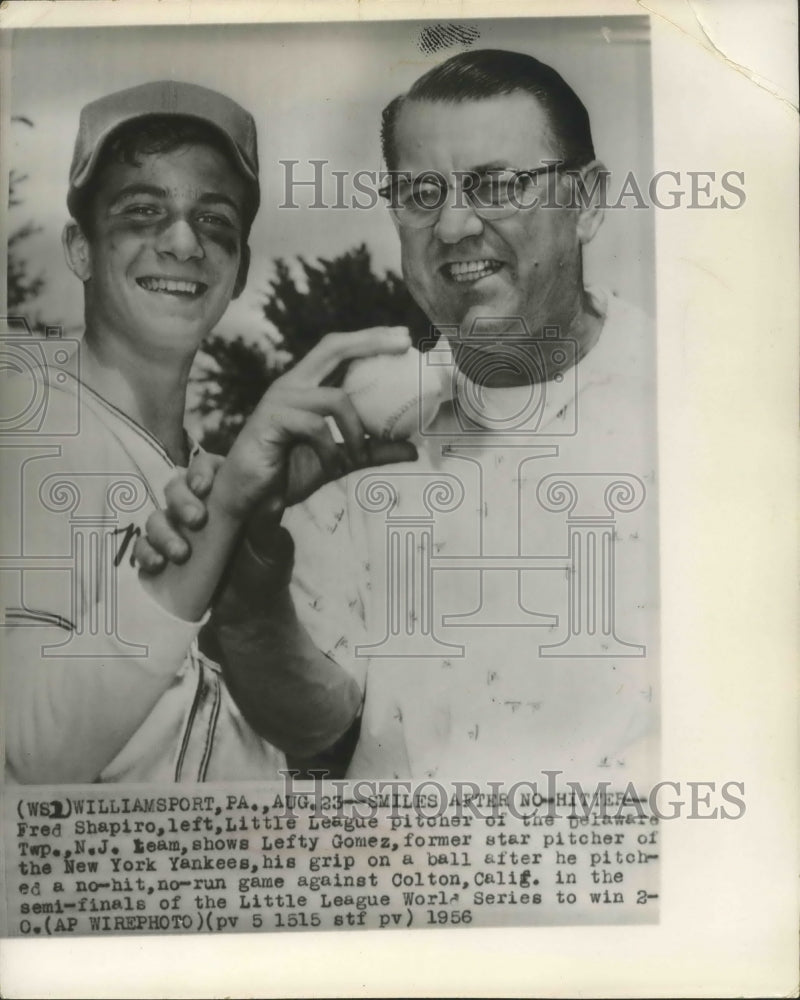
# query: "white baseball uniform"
{"type": "Point", "coordinates": [101, 683]}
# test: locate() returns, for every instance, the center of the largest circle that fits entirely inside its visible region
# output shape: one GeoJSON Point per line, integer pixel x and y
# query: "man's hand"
{"type": "Point", "coordinates": [282, 455]}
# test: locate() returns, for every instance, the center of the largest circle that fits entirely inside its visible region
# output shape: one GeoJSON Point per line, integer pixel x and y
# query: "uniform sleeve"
{"type": "Point", "coordinates": [74, 699]}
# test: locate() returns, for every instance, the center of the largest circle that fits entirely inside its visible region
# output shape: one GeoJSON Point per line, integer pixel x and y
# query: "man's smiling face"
{"type": "Point", "coordinates": [164, 254]}
{"type": "Point", "coordinates": [464, 268]}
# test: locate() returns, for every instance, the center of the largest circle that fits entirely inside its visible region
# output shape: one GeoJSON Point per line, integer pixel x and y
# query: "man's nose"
{"type": "Point", "coordinates": [457, 219]}
{"type": "Point", "coordinates": [179, 240]}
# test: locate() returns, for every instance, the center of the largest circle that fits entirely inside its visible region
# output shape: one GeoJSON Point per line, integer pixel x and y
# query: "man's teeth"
{"type": "Point", "coordinates": [170, 285]}
{"type": "Point", "coordinates": [471, 270]}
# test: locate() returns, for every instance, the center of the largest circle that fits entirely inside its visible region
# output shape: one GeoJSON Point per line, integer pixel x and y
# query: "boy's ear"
{"type": "Point", "coordinates": [76, 250]}
{"type": "Point", "coordinates": [241, 277]}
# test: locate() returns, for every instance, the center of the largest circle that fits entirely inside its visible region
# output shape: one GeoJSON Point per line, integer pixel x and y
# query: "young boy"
{"type": "Point", "coordinates": [105, 679]}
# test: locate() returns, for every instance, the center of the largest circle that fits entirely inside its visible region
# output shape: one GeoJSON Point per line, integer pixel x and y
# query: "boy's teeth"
{"type": "Point", "coordinates": [169, 285]}
{"type": "Point", "coordinates": [472, 270]}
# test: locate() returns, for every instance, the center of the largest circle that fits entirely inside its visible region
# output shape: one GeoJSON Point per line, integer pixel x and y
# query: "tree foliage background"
{"type": "Point", "coordinates": [331, 296]}
{"type": "Point", "coordinates": [21, 285]}
{"type": "Point", "coordinates": [24, 285]}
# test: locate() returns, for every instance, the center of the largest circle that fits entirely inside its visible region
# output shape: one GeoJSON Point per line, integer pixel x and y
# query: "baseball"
{"type": "Point", "coordinates": [395, 395]}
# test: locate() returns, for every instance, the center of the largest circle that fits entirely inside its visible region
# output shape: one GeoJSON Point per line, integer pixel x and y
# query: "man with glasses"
{"type": "Point", "coordinates": [534, 650]}
{"type": "Point", "coordinates": [515, 141]}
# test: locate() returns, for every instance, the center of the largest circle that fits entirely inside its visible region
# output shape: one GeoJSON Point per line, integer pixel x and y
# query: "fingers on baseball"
{"type": "Point", "coordinates": [334, 348]}
{"type": "Point", "coordinates": [183, 507]}
{"type": "Point", "coordinates": [312, 429]}
{"type": "Point", "coordinates": [329, 402]}
{"type": "Point", "coordinates": [166, 539]}
{"type": "Point", "coordinates": [201, 473]}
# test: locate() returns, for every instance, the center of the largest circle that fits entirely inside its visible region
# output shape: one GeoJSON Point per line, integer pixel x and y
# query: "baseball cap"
{"type": "Point", "coordinates": [100, 119]}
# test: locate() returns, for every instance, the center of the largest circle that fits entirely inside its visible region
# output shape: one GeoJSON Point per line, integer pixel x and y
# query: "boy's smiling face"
{"type": "Point", "coordinates": [164, 255]}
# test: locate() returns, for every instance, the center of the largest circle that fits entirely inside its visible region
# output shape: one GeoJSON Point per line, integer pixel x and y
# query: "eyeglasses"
{"type": "Point", "coordinates": [492, 194]}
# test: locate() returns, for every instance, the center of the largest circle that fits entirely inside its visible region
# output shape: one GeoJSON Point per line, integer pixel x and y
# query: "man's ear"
{"type": "Point", "coordinates": [241, 277]}
{"type": "Point", "coordinates": [76, 250]}
{"type": "Point", "coordinates": [593, 180]}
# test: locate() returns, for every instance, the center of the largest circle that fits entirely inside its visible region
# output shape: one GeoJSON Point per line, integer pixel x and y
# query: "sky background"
{"type": "Point", "coordinates": [316, 91]}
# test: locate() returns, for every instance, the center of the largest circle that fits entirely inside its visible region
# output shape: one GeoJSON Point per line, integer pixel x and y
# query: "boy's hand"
{"type": "Point", "coordinates": [286, 450]}
{"type": "Point", "coordinates": [282, 455]}
{"type": "Point", "coordinates": [185, 509]}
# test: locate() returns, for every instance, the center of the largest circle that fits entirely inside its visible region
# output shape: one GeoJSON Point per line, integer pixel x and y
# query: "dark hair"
{"type": "Point", "coordinates": [483, 73]}
{"type": "Point", "coordinates": [157, 134]}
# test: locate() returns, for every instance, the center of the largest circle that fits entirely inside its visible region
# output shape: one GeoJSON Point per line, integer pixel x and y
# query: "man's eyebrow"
{"type": "Point", "coordinates": [487, 168]}
{"type": "Point", "coordinates": [481, 168]}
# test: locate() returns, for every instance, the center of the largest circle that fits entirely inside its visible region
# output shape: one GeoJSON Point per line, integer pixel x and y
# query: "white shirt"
{"type": "Point", "coordinates": [458, 680]}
